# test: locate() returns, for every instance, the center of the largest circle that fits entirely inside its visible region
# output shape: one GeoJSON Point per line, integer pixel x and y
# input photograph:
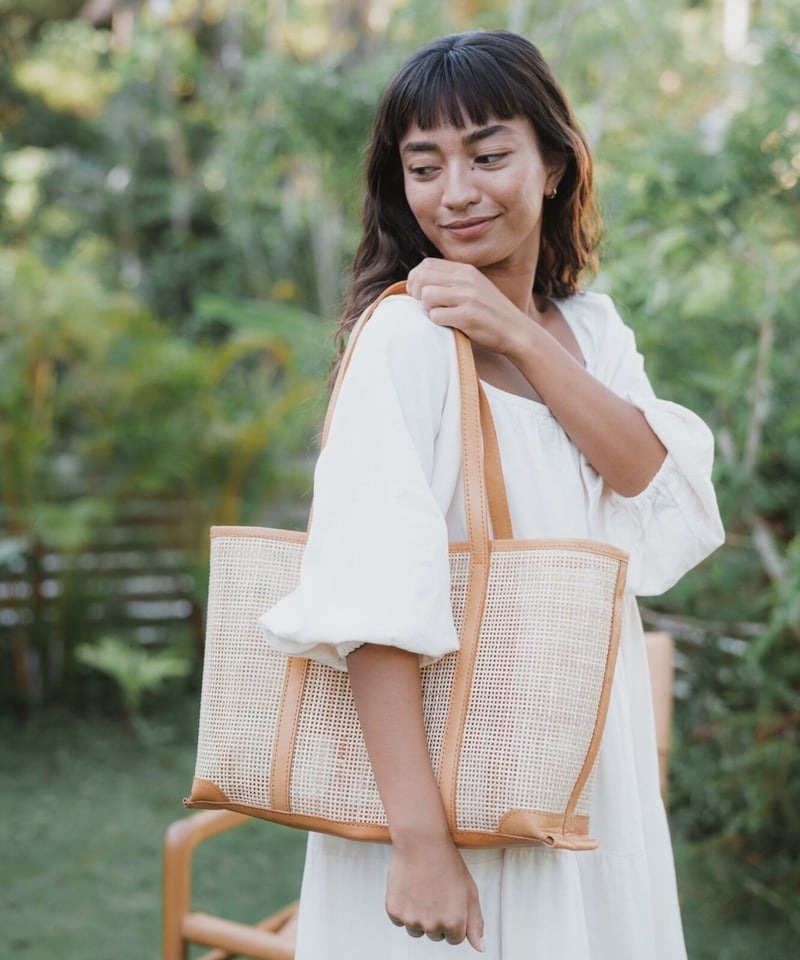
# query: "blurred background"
{"type": "Point", "coordinates": [179, 200]}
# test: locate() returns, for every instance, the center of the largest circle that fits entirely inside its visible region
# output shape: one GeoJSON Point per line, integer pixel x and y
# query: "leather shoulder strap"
{"type": "Point", "coordinates": [483, 471]}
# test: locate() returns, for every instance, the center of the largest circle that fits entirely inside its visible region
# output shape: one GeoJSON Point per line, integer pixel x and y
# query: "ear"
{"type": "Point", "coordinates": [554, 174]}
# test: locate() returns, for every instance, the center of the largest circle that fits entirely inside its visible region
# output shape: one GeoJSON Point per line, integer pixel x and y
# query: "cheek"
{"type": "Point", "coordinates": [529, 202]}
{"type": "Point", "coordinates": [416, 200]}
{"type": "Point", "coordinates": [520, 191]}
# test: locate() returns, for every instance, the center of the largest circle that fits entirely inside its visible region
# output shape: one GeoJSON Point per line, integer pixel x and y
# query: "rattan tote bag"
{"type": "Point", "coordinates": [513, 718]}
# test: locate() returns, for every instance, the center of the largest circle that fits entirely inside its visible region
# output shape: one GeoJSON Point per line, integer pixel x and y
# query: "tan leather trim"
{"type": "Point", "coordinates": [263, 533]}
{"type": "Point", "coordinates": [493, 469]}
{"type": "Point", "coordinates": [518, 833]}
{"type": "Point", "coordinates": [557, 840]}
{"type": "Point", "coordinates": [456, 546]}
{"type": "Point", "coordinates": [205, 791]}
{"type": "Point", "coordinates": [515, 822]}
{"type": "Point", "coordinates": [280, 777]}
{"type": "Point", "coordinates": [602, 708]}
{"type": "Point", "coordinates": [477, 532]}
{"type": "Point", "coordinates": [461, 689]}
{"type": "Point", "coordinates": [587, 546]}
{"type": "Point", "coordinates": [352, 831]}
{"type": "Point", "coordinates": [547, 828]}
{"type": "Point", "coordinates": [472, 452]}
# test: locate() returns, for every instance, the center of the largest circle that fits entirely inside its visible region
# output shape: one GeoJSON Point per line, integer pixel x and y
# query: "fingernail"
{"type": "Point", "coordinates": [482, 945]}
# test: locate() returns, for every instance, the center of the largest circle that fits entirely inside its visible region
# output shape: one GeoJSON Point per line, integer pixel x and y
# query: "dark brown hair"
{"type": "Point", "coordinates": [480, 75]}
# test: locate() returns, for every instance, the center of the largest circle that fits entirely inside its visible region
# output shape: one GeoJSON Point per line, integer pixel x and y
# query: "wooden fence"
{"type": "Point", "coordinates": [142, 577]}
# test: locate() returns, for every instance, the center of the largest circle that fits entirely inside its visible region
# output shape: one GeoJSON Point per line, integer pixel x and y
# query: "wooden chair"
{"type": "Point", "coordinates": [272, 939]}
{"type": "Point", "coordinates": [660, 652]}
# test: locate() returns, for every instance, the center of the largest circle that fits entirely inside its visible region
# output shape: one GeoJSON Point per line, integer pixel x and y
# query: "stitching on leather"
{"type": "Point", "coordinates": [602, 707]}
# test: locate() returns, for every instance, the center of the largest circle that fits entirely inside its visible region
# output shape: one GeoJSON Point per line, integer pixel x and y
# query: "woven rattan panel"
{"type": "Point", "coordinates": [545, 634]}
{"type": "Point", "coordinates": [237, 718]}
{"type": "Point", "coordinates": [538, 678]}
{"type": "Point", "coordinates": [331, 774]}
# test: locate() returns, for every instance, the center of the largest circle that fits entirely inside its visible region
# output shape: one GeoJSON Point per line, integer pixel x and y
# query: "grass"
{"type": "Point", "coordinates": [83, 810]}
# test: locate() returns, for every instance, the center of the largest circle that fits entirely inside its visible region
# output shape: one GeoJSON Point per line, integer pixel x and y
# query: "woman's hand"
{"type": "Point", "coordinates": [430, 892]}
{"type": "Point", "coordinates": [429, 889]}
{"type": "Point", "coordinates": [612, 433]}
{"type": "Point", "coordinates": [459, 295]}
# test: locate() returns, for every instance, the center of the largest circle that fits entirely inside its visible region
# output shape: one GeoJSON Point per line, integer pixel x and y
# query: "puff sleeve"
{"type": "Point", "coordinates": [674, 523]}
{"type": "Point", "coordinates": [375, 567]}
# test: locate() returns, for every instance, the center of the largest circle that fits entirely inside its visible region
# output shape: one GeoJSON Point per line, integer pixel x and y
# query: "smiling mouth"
{"type": "Point", "coordinates": [469, 228]}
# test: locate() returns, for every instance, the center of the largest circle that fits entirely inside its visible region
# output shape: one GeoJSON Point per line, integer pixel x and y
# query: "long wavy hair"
{"type": "Point", "coordinates": [478, 76]}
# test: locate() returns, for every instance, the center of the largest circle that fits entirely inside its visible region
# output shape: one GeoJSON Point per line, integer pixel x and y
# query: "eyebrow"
{"type": "Point", "coordinates": [475, 136]}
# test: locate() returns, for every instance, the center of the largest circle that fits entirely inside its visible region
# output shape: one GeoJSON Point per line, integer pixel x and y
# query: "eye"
{"type": "Point", "coordinates": [422, 171]}
{"type": "Point", "coordinates": [490, 159]}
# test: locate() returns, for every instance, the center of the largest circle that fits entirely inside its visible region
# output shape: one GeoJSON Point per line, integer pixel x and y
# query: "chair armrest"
{"type": "Point", "coordinates": [180, 841]}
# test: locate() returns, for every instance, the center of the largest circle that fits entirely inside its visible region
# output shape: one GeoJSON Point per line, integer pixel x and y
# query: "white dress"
{"type": "Point", "coordinates": [387, 498]}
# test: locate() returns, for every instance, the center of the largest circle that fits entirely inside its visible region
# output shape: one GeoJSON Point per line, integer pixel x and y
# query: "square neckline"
{"type": "Point", "coordinates": [539, 407]}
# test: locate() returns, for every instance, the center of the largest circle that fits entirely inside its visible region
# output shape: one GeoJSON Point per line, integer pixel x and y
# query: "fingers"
{"type": "Point", "coordinates": [435, 931]}
{"type": "Point", "coordinates": [441, 274]}
{"type": "Point", "coordinates": [475, 927]}
{"type": "Point", "coordinates": [446, 305]}
{"type": "Point", "coordinates": [454, 934]}
{"type": "Point", "coordinates": [459, 295]}
{"type": "Point", "coordinates": [432, 295]}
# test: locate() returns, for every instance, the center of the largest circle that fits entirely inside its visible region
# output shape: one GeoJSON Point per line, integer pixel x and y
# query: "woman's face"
{"type": "Point", "coordinates": [477, 192]}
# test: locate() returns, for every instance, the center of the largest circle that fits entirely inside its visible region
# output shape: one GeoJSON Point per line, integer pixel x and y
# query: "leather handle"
{"type": "Point", "coordinates": [483, 471]}
{"type": "Point", "coordinates": [493, 472]}
{"type": "Point", "coordinates": [483, 485]}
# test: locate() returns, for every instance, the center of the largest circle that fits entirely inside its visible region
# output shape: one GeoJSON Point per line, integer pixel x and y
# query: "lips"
{"type": "Point", "coordinates": [472, 227]}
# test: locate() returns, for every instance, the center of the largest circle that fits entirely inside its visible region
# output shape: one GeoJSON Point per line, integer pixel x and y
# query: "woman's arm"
{"type": "Point", "coordinates": [612, 434]}
{"type": "Point", "coordinates": [429, 889]}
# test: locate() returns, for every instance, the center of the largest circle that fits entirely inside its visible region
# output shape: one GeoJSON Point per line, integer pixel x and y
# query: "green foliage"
{"type": "Point", "coordinates": [134, 670]}
{"type": "Point", "coordinates": [703, 254]}
{"type": "Point", "coordinates": [86, 374]}
{"type": "Point", "coordinates": [178, 209]}
{"type": "Point", "coordinates": [103, 406]}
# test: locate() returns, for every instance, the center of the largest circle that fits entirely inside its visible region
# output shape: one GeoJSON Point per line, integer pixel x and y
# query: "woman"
{"type": "Point", "coordinates": [479, 193]}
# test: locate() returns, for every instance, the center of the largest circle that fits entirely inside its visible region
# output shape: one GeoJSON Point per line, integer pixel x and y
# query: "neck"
{"type": "Point", "coordinates": [514, 278]}
{"type": "Point", "coordinates": [515, 285]}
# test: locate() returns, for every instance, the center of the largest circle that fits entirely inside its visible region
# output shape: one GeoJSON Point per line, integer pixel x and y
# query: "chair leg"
{"type": "Point", "coordinates": [176, 893]}
{"type": "Point", "coordinates": [179, 923]}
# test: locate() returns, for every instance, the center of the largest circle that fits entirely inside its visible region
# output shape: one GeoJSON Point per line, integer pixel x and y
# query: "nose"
{"type": "Point", "coordinates": [459, 189]}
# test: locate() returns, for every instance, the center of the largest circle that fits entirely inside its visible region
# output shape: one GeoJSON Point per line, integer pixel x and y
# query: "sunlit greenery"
{"type": "Point", "coordinates": [179, 199]}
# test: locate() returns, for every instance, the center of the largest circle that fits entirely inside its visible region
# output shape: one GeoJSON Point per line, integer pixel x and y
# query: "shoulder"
{"type": "Point", "coordinates": [401, 346]}
{"type": "Point", "coordinates": [597, 324]}
{"type": "Point", "coordinates": [596, 313]}
{"type": "Point", "coordinates": [401, 331]}
{"type": "Point", "coordinates": [401, 319]}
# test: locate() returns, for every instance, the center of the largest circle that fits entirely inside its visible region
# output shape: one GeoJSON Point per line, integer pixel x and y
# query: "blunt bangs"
{"type": "Point", "coordinates": [451, 82]}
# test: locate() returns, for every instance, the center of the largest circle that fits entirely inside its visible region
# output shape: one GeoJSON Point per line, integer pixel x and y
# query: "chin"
{"type": "Point", "coordinates": [474, 258]}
